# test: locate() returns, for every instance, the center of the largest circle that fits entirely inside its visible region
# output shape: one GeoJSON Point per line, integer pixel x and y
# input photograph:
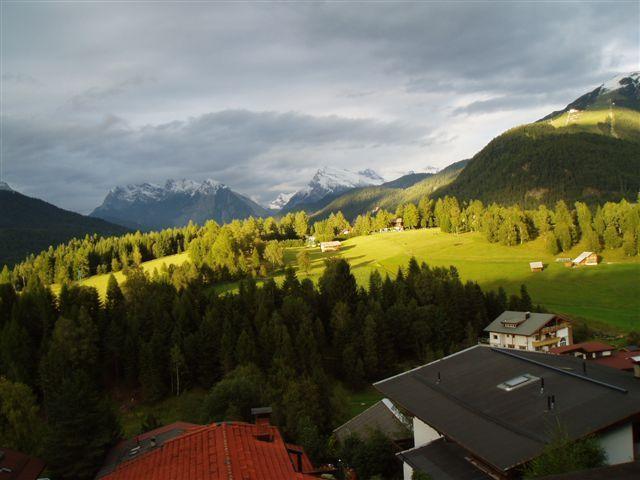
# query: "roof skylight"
{"type": "Point", "coordinates": [517, 382]}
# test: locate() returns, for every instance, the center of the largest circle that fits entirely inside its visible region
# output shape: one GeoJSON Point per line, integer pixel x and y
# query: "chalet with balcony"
{"type": "Point", "coordinates": [529, 331]}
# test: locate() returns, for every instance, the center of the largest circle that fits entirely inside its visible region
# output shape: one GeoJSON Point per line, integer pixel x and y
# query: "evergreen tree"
{"type": "Point", "coordinates": [304, 261]}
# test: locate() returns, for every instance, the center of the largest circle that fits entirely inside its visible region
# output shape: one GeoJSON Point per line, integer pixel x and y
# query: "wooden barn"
{"type": "Point", "coordinates": [330, 246]}
{"type": "Point", "coordinates": [536, 266]}
{"type": "Point", "coordinates": [586, 258]}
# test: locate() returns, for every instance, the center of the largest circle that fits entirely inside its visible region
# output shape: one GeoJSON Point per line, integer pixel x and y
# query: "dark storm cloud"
{"type": "Point", "coordinates": [96, 94]}
{"type": "Point", "coordinates": [238, 147]}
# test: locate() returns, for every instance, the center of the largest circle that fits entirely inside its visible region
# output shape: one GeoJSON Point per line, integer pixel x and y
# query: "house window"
{"type": "Point", "coordinates": [495, 337]}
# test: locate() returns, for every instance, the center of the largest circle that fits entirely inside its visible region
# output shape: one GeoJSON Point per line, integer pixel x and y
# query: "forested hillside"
{"type": "Point", "coordinates": [29, 225]}
{"type": "Point", "coordinates": [536, 164]}
{"type": "Point", "coordinates": [287, 346]}
{"type": "Point", "coordinates": [586, 152]}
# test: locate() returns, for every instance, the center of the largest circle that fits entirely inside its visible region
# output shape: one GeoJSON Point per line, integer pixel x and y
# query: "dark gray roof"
{"type": "Point", "coordinates": [507, 428]}
{"type": "Point", "coordinates": [377, 417]}
{"type": "Point", "coordinates": [443, 460]}
{"type": "Point", "coordinates": [528, 327]}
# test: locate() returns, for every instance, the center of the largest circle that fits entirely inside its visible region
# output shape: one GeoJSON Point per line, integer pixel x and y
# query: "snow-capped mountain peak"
{"type": "Point", "coordinates": [332, 178]}
{"type": "Point", "coordinates": [142, 192]}
{"type": "Point", "coordinates": [329, 181]}
{"type": "Point", "coordinates": [621, 81]}
{"type": "Point", "coordinates": [176, 202]}
{"type": "Point", "coordinates": [280, 201]}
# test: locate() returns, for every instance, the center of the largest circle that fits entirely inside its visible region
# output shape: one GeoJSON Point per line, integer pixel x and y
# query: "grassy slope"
{"type": "Point", "coordinates": [99, 282]}
{"type": "Point", "coordinates": [608, 293]}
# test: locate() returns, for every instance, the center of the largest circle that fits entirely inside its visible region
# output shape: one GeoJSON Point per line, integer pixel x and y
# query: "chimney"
{"type": "Point", "coordinates": [527, 315]}
{"type": "Point", "coordinates": [152, 442]}
{"type": "Point", "coordinates": [439, 378]}
{"type": "Point", "coordinates": [541, 385]}
{"type": "Point", "coordinates": [553, 402]}
{"type": "Point", "coordinates": [262, 417]}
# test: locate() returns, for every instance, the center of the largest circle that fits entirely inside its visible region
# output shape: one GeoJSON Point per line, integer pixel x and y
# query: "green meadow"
{"type": "Point", "coordinates": [607, 294]}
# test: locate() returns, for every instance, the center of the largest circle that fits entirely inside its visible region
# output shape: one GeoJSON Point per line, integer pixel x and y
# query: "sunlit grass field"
{"type": "Point", "coordinates": [99, 282]}
{"type": "Point", "coordinates": [605, 294]}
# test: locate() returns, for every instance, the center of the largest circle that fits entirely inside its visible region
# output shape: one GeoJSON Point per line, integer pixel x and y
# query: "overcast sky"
{"type": "Point", "coordinates": [260, 95]}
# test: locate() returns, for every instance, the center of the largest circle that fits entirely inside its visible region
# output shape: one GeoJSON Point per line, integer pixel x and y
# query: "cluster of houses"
{"type": "Point", "coordinates": [483, 413]}
{"type": "Point", "coordinates": [486, 412]}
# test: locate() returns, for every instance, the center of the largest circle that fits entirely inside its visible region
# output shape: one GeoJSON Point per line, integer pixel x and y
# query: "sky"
{"type": "Point", "coordinates": [261, 95]}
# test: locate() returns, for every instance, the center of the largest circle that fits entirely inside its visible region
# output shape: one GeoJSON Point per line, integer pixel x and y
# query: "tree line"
{"type": "Point", "coordinates": [290, 346]}
{"type": "Point", "coordinates": [609, 226]}
{"type": "Point", "coordinates": [255, 246]}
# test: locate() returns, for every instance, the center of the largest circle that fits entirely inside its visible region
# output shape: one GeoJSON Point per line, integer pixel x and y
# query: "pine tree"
{"type": "Point", "coordinates": [81, 427]}
{"type": "Point", "coordinates": [304, 261]}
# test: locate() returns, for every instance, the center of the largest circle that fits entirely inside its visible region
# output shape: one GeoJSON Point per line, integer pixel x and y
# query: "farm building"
{"type": "Point", "coordinates": [536, 266]}
{"type": "Point", "coordinates": [586, 350]}
{"type": "Point", "coordinates": [529, 331]}
{"type": "Point", "coordinates": [398, 224]}
{"type": "Point", "coordinates": [586, 258]}
{"type": "Point", "coordinates": [483, 413]}
{"type": "Point", "coordinates": [330, 246]}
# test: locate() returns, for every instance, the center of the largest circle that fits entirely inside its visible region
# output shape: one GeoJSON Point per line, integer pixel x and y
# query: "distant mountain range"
{"type": "Point", "coordinates": [148, 206]}
{"type": "Point", "coordinates": [29, 225]}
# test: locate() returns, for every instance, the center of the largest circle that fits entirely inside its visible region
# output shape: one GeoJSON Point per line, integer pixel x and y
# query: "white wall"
{"type": "Point", "coordinates": [407, 471]}
{"type": "Point", "coordinates": [618, 444]}
{"type": "Point", "coordinates": [423, 433]}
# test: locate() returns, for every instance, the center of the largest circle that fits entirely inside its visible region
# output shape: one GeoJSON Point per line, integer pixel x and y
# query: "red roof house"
{"type": "Point", "coordinates": [18, 466]}
{"type": "Point", "coordinates": [220, 451]}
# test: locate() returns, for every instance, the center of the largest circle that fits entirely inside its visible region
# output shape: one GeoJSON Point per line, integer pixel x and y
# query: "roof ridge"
{"type": "Point", "coordinates": [560, 370]}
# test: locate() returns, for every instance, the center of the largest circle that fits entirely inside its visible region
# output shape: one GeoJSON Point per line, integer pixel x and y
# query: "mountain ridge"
{"type": "Point", "coordinates": [149, 206]}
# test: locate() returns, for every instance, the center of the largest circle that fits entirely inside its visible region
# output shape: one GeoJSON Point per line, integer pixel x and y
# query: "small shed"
{"type": "Point", "coordinates": [398, 224]}
{"type": "Point", "coordinates": [586, 258]}
{"type": "Point", "coordinates": [536, 266]}
{"type": "Point", "coordinates": [330, 246]}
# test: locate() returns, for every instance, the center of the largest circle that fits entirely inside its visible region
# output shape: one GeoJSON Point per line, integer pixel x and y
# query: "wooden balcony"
{"type": "Point", "coordinates": [546, 342]}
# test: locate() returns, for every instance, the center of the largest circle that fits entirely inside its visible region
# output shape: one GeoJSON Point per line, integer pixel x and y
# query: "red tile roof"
{"type": "Point", "coordinates": [18, 466]}
{"type": "Point", "coordinates": [588, 347]}
{"type": "Point", "coordinates": [224, 451]}
{"type": "Point", "coordinates": [620, 359]}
